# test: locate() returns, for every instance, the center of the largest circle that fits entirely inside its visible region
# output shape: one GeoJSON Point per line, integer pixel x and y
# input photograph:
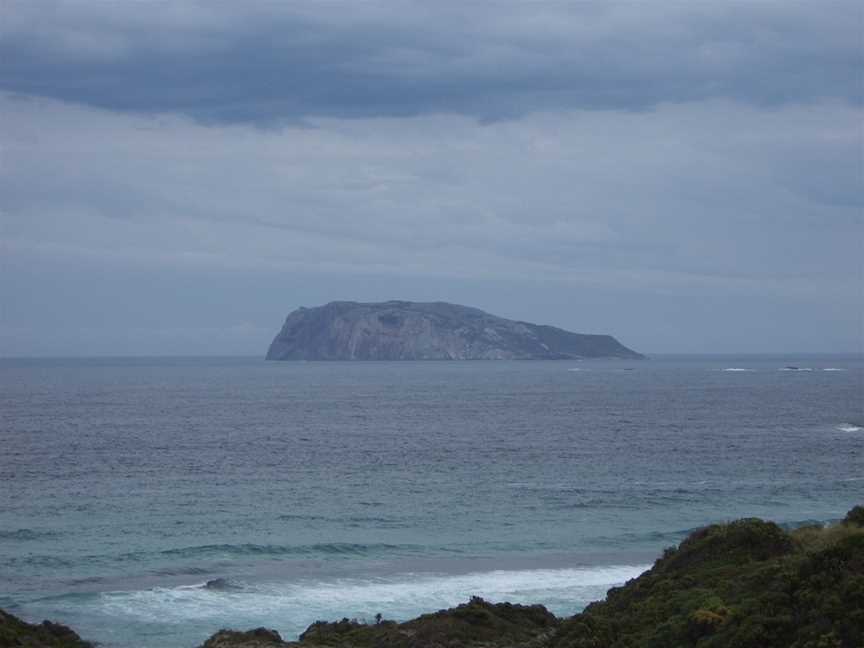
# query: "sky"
{"type": "Point", "coordinates": [176, 177]}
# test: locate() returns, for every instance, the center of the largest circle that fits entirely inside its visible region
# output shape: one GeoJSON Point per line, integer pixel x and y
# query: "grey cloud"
{"type": "Point", "coordinates": [650, 198]}
{"type": "Point", "coordinates": [268, 63]}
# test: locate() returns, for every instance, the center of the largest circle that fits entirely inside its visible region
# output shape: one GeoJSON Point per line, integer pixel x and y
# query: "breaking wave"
{"type": "Point", "coordinates": [23, 535]}
{"type": "Point", "coordinates": [327, 549]}
{"type": "Point", "coordinates": [290, 607]}
{"type": "Point", "coordinates": [849, 427]}
{"type": "Point", "coordinates": [220, 551]}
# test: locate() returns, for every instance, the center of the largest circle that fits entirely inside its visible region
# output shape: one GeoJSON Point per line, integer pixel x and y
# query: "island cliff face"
{"type": "Point", "coordinates": [401, 330]}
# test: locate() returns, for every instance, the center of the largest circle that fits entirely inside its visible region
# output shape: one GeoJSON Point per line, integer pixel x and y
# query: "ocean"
{"type": "Point", "coordinates": [148, 502]}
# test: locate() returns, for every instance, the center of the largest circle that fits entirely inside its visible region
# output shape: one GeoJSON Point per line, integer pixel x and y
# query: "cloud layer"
{"type": "Point", "coordinates": [271, 62]}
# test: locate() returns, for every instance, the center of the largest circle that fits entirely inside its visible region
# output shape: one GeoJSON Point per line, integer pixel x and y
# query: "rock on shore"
{"type": "Point", "coordinates": [476, 623]}
{"type": "Point", "coordinates": [15, 633]}
{"type": "Point", "coordinates": [401, 330]}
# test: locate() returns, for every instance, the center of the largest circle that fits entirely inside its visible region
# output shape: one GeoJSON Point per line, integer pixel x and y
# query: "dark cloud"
{"type": "Point", "coordinates": [270, 62]}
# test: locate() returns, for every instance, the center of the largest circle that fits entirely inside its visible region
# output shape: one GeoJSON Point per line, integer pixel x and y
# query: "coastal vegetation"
{"type": "Point", "coordinates": [743, 584]}
{"type": "Point", "coordinates": [746, 584]}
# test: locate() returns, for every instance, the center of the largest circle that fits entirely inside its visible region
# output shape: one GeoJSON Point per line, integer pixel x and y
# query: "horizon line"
{"type": "Point", "coordinates": [648, 355]}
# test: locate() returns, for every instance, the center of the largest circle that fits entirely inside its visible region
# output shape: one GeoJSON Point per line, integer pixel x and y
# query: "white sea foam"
{"type": "Point", "coordinates": [737, 369]}
{"type": "Point", "coordinates": [834, 369]}
{"type": "Point", "coordinates": [796, 368]}
{"type": "Point", "coordinates": [291, 607]}
{"type": "Point", "coordinates": [850, 427]}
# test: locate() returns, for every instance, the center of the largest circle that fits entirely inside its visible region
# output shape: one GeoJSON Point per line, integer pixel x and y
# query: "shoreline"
{"type": "Point", "coordinates": [713, 585]}
{"type": "Point", "coordinates": [563, 583]}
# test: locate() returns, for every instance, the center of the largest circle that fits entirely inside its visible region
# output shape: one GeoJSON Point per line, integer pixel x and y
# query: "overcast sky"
{"type": "Point", "coordinates": [175, 177]}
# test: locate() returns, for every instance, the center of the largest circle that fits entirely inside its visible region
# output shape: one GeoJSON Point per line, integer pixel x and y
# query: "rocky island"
{"type": "Point", "coordinates": [403, 330]}
{"type": "Point", "coordinates": [743, 584]}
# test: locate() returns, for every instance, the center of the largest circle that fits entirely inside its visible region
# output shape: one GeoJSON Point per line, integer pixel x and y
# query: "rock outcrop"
{"type": "Point", "coordinates": [476, 624]}
{"type": "Point", "coordinates": [20, 634]}
{"type": "Point", "coordinates": [401, 330]}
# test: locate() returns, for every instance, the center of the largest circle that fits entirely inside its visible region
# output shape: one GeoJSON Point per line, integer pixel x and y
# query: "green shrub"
{"type": "Point", "coordinates": [855, 516]}
{"type": "Point", "coordinates": [746, 584]}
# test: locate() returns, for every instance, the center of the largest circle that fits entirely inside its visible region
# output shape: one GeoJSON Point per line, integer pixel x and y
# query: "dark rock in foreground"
{"type": "Point", "coordinates": [476, 623]}
{"type": "Point", "coordinates": [16, 633]}
{"type": "Point", "coordinates": [258, 638]}
{"type": "Point", "coordinates": [400, 330]}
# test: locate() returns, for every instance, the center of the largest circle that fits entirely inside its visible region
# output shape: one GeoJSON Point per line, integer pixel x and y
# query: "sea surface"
{"type": "Point", "coordinates": [304, 491]}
